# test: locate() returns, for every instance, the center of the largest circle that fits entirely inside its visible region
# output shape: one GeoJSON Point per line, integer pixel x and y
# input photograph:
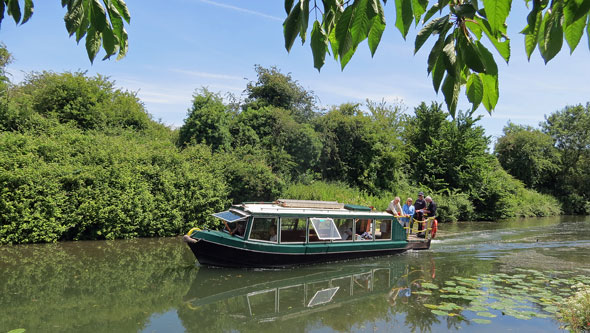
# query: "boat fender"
{"type": "Point", "coordinates": [434, 229]}
{"type": "Point", "coordinates": [187, 238]}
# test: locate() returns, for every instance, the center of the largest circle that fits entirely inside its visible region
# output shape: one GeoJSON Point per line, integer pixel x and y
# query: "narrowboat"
{"type": "Point", "coordinates": [297, 232]}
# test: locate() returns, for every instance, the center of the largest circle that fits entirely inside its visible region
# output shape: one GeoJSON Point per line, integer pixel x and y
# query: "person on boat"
{"type": "Point", "coordinates": [408, 211]}
{"type": "Point", "coordinates": [346, 231]}
{"type": "Point", "coordinates": [429, 211]}
{"type": "Point", "coordinates": [239, 229]}
{"type": "Point", "coordinates": [273, 233]}
{"type": "Point", "coordinates": [419, 204]}
{"type": "Point", "coordinates": [394, 207]}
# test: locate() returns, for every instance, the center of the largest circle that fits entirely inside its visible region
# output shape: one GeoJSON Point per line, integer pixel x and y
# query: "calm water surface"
{"type": "Point", "coordinates": [484, 277]}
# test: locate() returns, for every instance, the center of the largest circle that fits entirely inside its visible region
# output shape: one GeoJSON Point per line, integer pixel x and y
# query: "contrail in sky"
{"type": "Point", "coordinates": [243, 10]}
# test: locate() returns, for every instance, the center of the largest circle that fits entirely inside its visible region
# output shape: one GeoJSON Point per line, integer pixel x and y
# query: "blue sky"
{"type": "Point", "coordinates": [177, 46]}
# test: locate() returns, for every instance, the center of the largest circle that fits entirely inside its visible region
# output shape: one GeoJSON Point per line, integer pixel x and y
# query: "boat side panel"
{"type": "Point", "coordinates": [209, 253]}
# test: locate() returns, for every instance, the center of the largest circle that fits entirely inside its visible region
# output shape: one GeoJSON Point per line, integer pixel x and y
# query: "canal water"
{"type": "Point", "coordinates": [477, 277]}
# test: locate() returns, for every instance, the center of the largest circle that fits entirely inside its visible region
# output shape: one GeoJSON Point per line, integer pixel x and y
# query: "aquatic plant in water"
{"type": "Point", "coordinates": [524, 295]}
{"type": "Point", "coordinates": [575, 311]}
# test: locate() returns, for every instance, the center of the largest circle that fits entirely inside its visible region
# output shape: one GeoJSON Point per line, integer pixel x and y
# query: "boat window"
{"type": "Point", "coordinates": [293, 229]}
{"type": "Point", "coordinates": [264, 228]}
{"type": "Point", "coordinates": [323, 229]}
{"type": "Point", "coordinates": [345, 228]}
{"type": "Point", "coordinates": [364, 230]}
{"type": "Point", "coordinates": [236, 228]}
{"type": "Point", "coordinates": [383, 229]}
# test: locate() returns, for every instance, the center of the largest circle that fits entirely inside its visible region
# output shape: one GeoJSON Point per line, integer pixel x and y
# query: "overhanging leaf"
{"type": "Point", "coordinates": [490, 91]}
{"type": "Point", "coordinates": [377, 28]}
{"type": "Point", "coordinates": [343, 36]}
{"type": "Point", "coordinates": [29, 8]}
{"type": "Point", "coordinates": [496, 12]}
{"type": "Point", "coordinates": [450, 88]}
{"type": "Point", "coordinates": [319, 45]}
{"type": "Point", "coordinates": [474, 90]}
{"type": "Point", "coordinates": [93, 42]}
{"type": "Point", "coordinates": [419, 7]}
{"type": "Point", "coordinates": [14, 10]}
{"type": "Point", "coordinates": [404, 16]}
{"type": "Point", "coordinates": [291, 27]}
{"type": "Point", "coordinates": [551, 39]}
{"type": "Point", "coordinates": [98, 16]}
{"type": "Point", "coordinates": [574, 32]}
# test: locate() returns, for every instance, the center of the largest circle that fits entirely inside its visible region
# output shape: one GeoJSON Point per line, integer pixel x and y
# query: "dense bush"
{"type": "Point", "coordinates": [75, 185]}
{"type": "Point", "coordinates": [87, 102]}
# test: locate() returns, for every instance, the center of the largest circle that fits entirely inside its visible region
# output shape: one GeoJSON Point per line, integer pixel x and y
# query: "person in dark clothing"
{"type": "Point", "coordinates": [429, 211]}
{"type": "Point", "coordinates": [419, 204]}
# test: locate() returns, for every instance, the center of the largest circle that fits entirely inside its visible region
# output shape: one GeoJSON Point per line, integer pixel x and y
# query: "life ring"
{"type": "Point", "coordinates": [434, 228]}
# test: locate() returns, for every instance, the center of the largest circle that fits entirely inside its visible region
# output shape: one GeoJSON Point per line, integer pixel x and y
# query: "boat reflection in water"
{"type": "Point", "coordinates": [338, 296]}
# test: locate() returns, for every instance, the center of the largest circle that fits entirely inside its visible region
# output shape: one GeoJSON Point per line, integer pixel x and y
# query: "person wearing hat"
{"type": "Point", "coordinates": [419, 205]}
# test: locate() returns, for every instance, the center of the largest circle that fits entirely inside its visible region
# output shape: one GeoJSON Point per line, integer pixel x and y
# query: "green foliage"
{"type": "Point", "coordinates": [88, 102]}
{"type": "Point", "coordinates": [248, 176]}
{"type": "Point", "coordinates": [569, 130]}
{"type": "Point", "coordinates": [102, 22]}
{"type": "Point", "coordinates": [274, 88]}
{"type": "Point", "coordinates": [5, 60]}
{"type": "Point", "coordinates": [454, 207]}
{"type": "Point", "coordinates": [291, 147]}
{"type": "Point", "coordinates": [451, 157]}
{"type": "Point", "coordinates": [336, 191]}
{"type": "Point", "coordinates": [529, 155]}
{"type": "Point", "coordinates": [575, 311]}
{"type": "Point", "coordinates": [360, 149]}
{"type": "Point", "coordinates": [458, 57]}
{"type": "Point", "coordinates": [445, 154]}
{"type": "Point", "coordinates": [73, 185]}
{"type": "Point", "coordinates": [207, 122]}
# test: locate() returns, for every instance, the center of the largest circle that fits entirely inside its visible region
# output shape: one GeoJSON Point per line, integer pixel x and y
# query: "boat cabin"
{"type": "Point", "coordinates": [302, 221]}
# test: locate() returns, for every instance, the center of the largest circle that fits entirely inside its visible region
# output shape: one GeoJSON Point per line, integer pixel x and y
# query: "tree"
{"type": "Point", "coordinates": [570, 129]}
{"type": "Point", "coordinates": [529, 155]}
{"type": "Point", "coordinates": [101, 22]}
{"type": "Point", "coordinates": [207, 122]}
{"type": "Point", "coordinates": [359, 150]}
{"type": "Point", "coordinates": [458, 57]}
{"type": "Point", "coordinates": [446, 154]}
{"type": "Point", "coordinates": [277, 89]}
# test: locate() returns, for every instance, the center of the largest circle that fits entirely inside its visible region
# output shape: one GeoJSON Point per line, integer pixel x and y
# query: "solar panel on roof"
{"type": "Point", "coordinates": [229, 216]}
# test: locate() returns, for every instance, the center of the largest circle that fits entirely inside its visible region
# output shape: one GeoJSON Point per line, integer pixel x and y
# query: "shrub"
{"type": "Point", "coordinates": [70, 185]}
{"type": "Point", "coordinates": [87, 102]}
{"type": "Point", "coordinates": [575, 312]}
{"type": "Point", "coordinates": [248, 176]}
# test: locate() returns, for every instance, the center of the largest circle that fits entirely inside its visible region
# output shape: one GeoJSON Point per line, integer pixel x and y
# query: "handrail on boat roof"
{"type": "Point", "coordinates": [290, 203]}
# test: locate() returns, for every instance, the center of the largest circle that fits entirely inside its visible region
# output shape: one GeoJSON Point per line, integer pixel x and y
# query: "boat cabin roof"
{"type": "Point", "coordinates": [307, 208]}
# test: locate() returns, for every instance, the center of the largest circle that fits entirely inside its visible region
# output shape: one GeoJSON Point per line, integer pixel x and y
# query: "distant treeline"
{"type": "Point", "coordinates": [80, 159]}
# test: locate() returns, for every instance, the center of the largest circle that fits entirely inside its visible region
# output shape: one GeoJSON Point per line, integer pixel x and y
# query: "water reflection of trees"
{"type": "Point", "coordinates": [90, 286]}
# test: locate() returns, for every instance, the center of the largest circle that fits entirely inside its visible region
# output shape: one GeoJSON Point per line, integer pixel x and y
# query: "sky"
{"type": "Point", "coordinates": [179, 46]}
